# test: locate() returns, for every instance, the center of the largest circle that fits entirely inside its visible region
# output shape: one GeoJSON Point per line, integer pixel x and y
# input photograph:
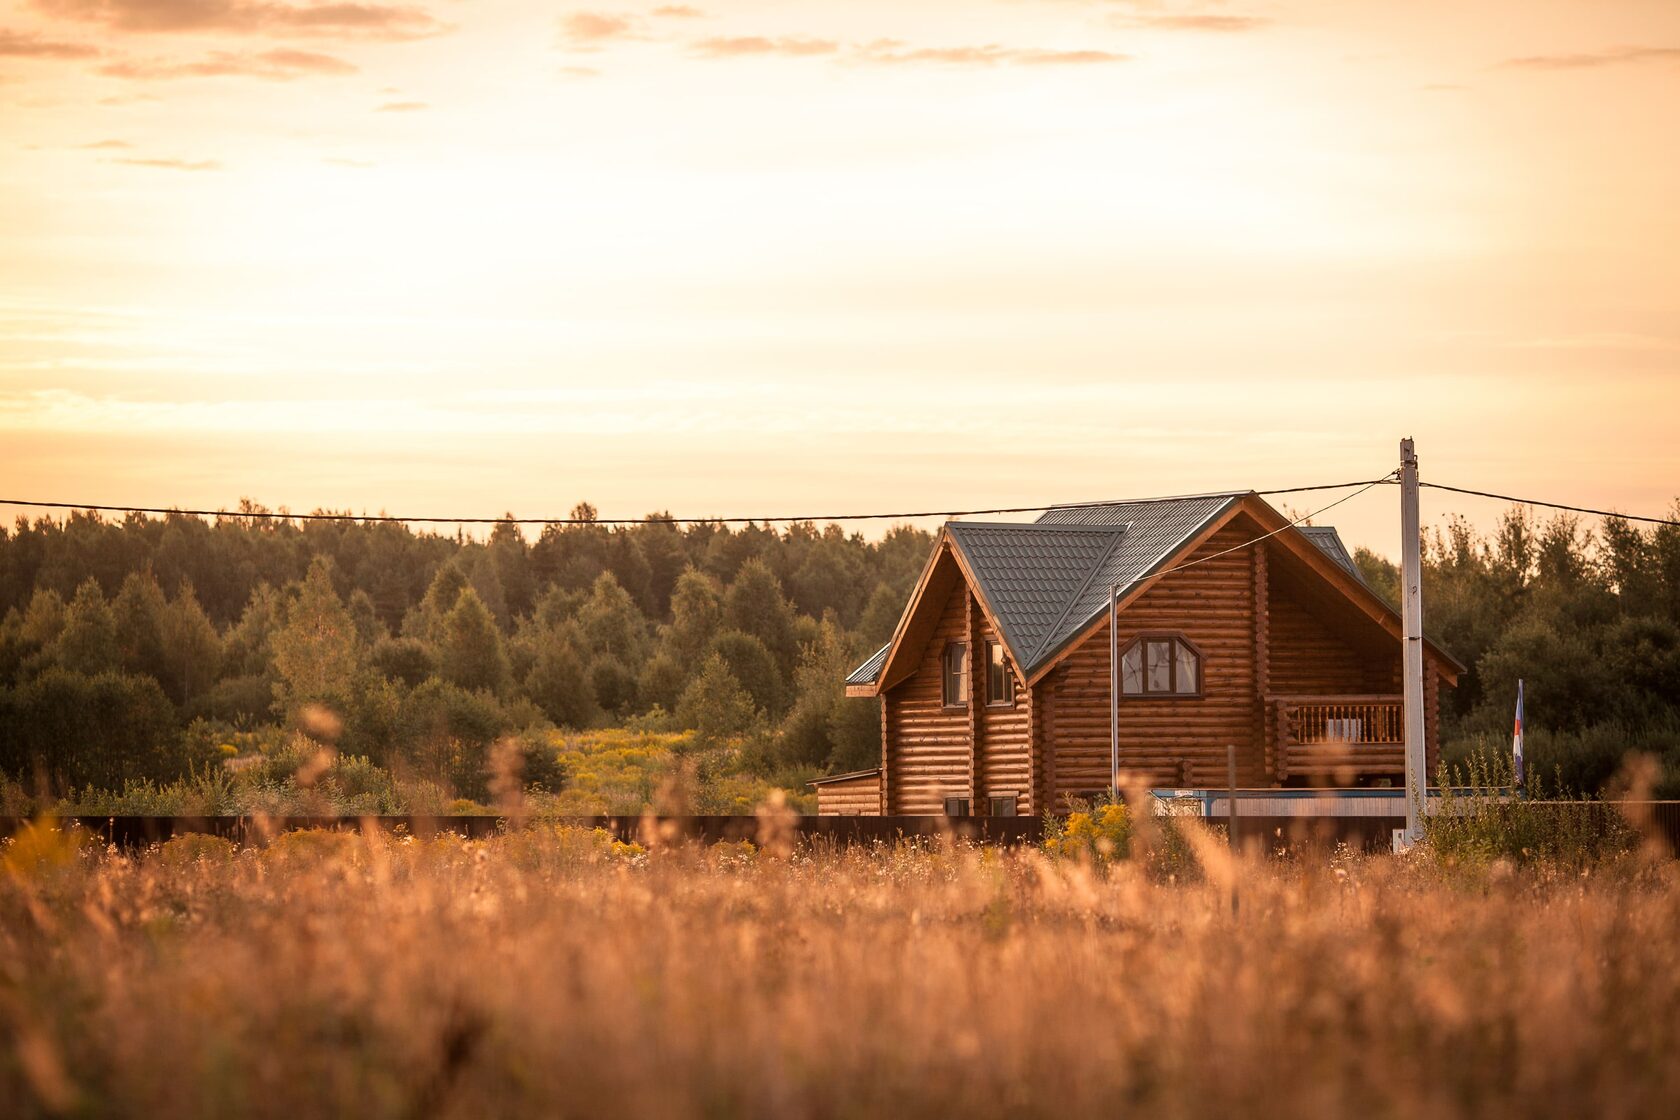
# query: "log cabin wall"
{"type": "Point", "coordinates": [1005, 750]}
{"type": "Point", "coordinates": [850, 797]}
{"type": "Point", "coordinates": [1308, 658]}
{"type": "Point", "coordinates": [1170, 741]}
{"type": "Point", "coordinates": [929, 753]}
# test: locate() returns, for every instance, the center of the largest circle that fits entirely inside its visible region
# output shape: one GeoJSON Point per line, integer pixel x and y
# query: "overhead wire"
{"type": "Point", "coordinates": [272, 515]}
{"type": "Point", "coordinates": [1305, 517]}
{"type": "Point", "coordinates": [1551, 505]}
{"type": "Point", "coordinates": [910, 515]}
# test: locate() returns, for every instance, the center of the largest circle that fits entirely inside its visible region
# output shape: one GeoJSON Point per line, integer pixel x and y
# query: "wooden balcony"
{"type": "Point", "coordinates": [1337, 740]}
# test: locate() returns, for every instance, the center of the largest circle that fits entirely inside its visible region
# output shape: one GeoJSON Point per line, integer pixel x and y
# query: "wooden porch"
{"type": "Point", "coordinates": [1336, 740]}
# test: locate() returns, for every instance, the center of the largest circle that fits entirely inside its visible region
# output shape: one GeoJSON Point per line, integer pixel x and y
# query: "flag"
{"type": "Point", "coordinates": [1517, 738]}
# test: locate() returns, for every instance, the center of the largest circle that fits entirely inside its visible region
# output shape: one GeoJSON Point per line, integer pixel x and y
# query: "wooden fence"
{"type": "Point", "coordinates": [1266, 831]}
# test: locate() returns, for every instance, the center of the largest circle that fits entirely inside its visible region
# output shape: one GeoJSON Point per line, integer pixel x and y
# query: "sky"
{"type": "Point", "coordinates": [459, 258]}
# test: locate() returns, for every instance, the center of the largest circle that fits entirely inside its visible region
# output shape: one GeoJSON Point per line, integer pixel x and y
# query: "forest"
{"type": "Point", "coordinates": [154, 649]}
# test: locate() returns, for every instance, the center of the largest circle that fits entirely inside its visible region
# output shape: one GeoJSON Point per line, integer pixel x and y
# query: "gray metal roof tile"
{"type": "Point", "coordinates": [1330, 542]}
{"type": "Point", "coordinates": [870, 669]}
{"type": "Point", "coordinates": [1027, 573]}
{"type": "Point", "coordinates": [1156, 530]}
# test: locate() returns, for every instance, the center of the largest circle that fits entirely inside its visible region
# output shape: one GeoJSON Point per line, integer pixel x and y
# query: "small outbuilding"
{"type": "Point", "coordinates": [857, 794]}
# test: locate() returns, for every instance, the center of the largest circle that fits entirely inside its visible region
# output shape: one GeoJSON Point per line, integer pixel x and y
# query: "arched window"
{"type": "Point", "coordinates": [1161, 665]}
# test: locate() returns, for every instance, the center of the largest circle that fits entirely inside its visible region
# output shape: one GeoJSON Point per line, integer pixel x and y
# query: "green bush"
{"type": "Point", "coordinates": [73, 729]}
{"type": "Point", "coordinates": [1483, 818]}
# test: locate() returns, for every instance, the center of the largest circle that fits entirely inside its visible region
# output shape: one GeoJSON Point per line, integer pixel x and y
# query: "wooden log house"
{"type": "Point", "coordinates": [995, 688]}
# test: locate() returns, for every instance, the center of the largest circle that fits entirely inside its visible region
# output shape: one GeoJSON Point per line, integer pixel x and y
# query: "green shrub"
{"type": "Point", "coordinates": [1482, 818]}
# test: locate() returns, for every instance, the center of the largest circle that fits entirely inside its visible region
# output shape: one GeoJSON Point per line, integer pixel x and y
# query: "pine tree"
{"type": "Point", "coordinates": [316, 654]}
{"type": "Point", "coordinates": [755, 605]}
{"type": "Point", "coordinates": [559, 682]}
{"type": "Point", "coordinates": [192, 650]}
{"type": "Point", "coordinates": [139, 608]}
{"type": "Point", "coordinates": [612, 624]}
{"type": "Point", "coordinates": [715, 705]}
{"type": "Point", "coordinates": [88, 642]}
{"type": "Point", "coordinates": [470, 653]}
{"type": "Point", "coordinates": [696, 611]}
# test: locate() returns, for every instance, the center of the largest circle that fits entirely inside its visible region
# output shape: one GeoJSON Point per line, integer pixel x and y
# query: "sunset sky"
{"type": "Point", "coordinates": [461, 257]}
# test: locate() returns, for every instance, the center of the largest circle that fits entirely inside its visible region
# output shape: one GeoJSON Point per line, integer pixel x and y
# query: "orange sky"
{"type": "Point", "coordinates": [458, 257]}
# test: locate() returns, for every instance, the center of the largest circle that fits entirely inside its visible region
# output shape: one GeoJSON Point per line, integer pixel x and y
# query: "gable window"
{"type": "Point", "coordinates": [1000, 681]}
{"type": "Point", "coordinates": [956, 675]}
{"type": "Point", "coordinates": [1161, 665]}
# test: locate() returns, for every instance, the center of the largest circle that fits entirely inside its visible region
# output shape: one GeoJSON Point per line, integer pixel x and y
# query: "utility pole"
{"type": "Point", "coordinates": [1113, 695]}
{"type": "Point", "coordinates": [1411, 595]}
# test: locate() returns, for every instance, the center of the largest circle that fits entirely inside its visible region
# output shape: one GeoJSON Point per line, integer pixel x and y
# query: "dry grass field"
{"type": "Point", "coordinates": [554, 973]}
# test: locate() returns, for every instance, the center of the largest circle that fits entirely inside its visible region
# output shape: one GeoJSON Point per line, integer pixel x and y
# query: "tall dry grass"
{"type": "Point", "coordinates": [552, 973]}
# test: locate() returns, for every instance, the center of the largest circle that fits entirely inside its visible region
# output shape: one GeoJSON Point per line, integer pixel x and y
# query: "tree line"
{"type": "Point", "coordinates": [1588, 617]}
{"type": "Point", "coordinates": [136, 647]}
{"type": "Point", "coordinates": [133, 648]}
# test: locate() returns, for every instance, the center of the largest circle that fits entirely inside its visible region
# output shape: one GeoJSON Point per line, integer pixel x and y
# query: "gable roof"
{"type": "Point", "coordinates": [1044, 584]}
{"type": "Point", "coordinates": [1028, 574]}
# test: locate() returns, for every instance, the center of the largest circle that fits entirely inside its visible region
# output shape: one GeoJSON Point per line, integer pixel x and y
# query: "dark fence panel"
{"type": "Point", "coordinates": [138, 832]}
{"type": "Point", "coordinates": [1266, 832]}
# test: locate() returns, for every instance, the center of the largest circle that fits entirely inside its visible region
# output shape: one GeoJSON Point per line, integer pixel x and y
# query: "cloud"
{"type": "Point", "coordinates": [402, 107]}
{"type": "Point", "coordinates": [346, 161]}
{"type": "Point", "coordinates": [1200, 21]}
{"type": "Point", "coordinates": [588, 30]}
{"type": "Point", "coordinates": [105, 146]}
{"type": "Point", "coordinates": [280, 65]}
{"type": "Point", "coordinates": [1616, 56]}
{"type": "Point", "coordinates": [744, 45]}
{"type": "Point", "coordinates": [16, 44]}
{"type": "Point", "coordinates": [894, 52]}
{"type": "Point", "coordinates": [255, 17]}
{"type": "Point", "coordinates": [679, 11]}
{"type": "Point", "coordinates": [580, 71]}
{"type": "Point", "coordinates": [174, 164]}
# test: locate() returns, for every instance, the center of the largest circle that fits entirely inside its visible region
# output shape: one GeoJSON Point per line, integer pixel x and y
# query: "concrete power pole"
{"type": "Point", "coordinates": [1114, 694]}
{"type": "Point", "coordinates": [1411, 594]}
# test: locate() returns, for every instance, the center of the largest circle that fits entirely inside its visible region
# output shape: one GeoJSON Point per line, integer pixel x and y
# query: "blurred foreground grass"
{"type": "Point", "coordinates": [553, 972]}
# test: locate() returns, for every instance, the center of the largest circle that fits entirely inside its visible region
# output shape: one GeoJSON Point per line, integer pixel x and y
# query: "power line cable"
{"type": "Point", "coordinates": [1298, 521]}
{"type": "Point", "coordinates": [1551, 505]}
{"type": "Point", "coordinates": [277, 516]}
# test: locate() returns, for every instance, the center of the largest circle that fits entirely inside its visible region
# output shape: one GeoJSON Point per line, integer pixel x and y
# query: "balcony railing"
{"type": "Point", "coordinates": [1338, 739]}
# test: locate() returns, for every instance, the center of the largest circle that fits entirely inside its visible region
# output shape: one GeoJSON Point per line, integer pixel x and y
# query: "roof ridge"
{"type": "Point", "coordinates": [1034, 525]}
{"type": "Point", "coordinates": [1100, 503]}
{"type": "Point", "coordinates": [1119, 532]}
